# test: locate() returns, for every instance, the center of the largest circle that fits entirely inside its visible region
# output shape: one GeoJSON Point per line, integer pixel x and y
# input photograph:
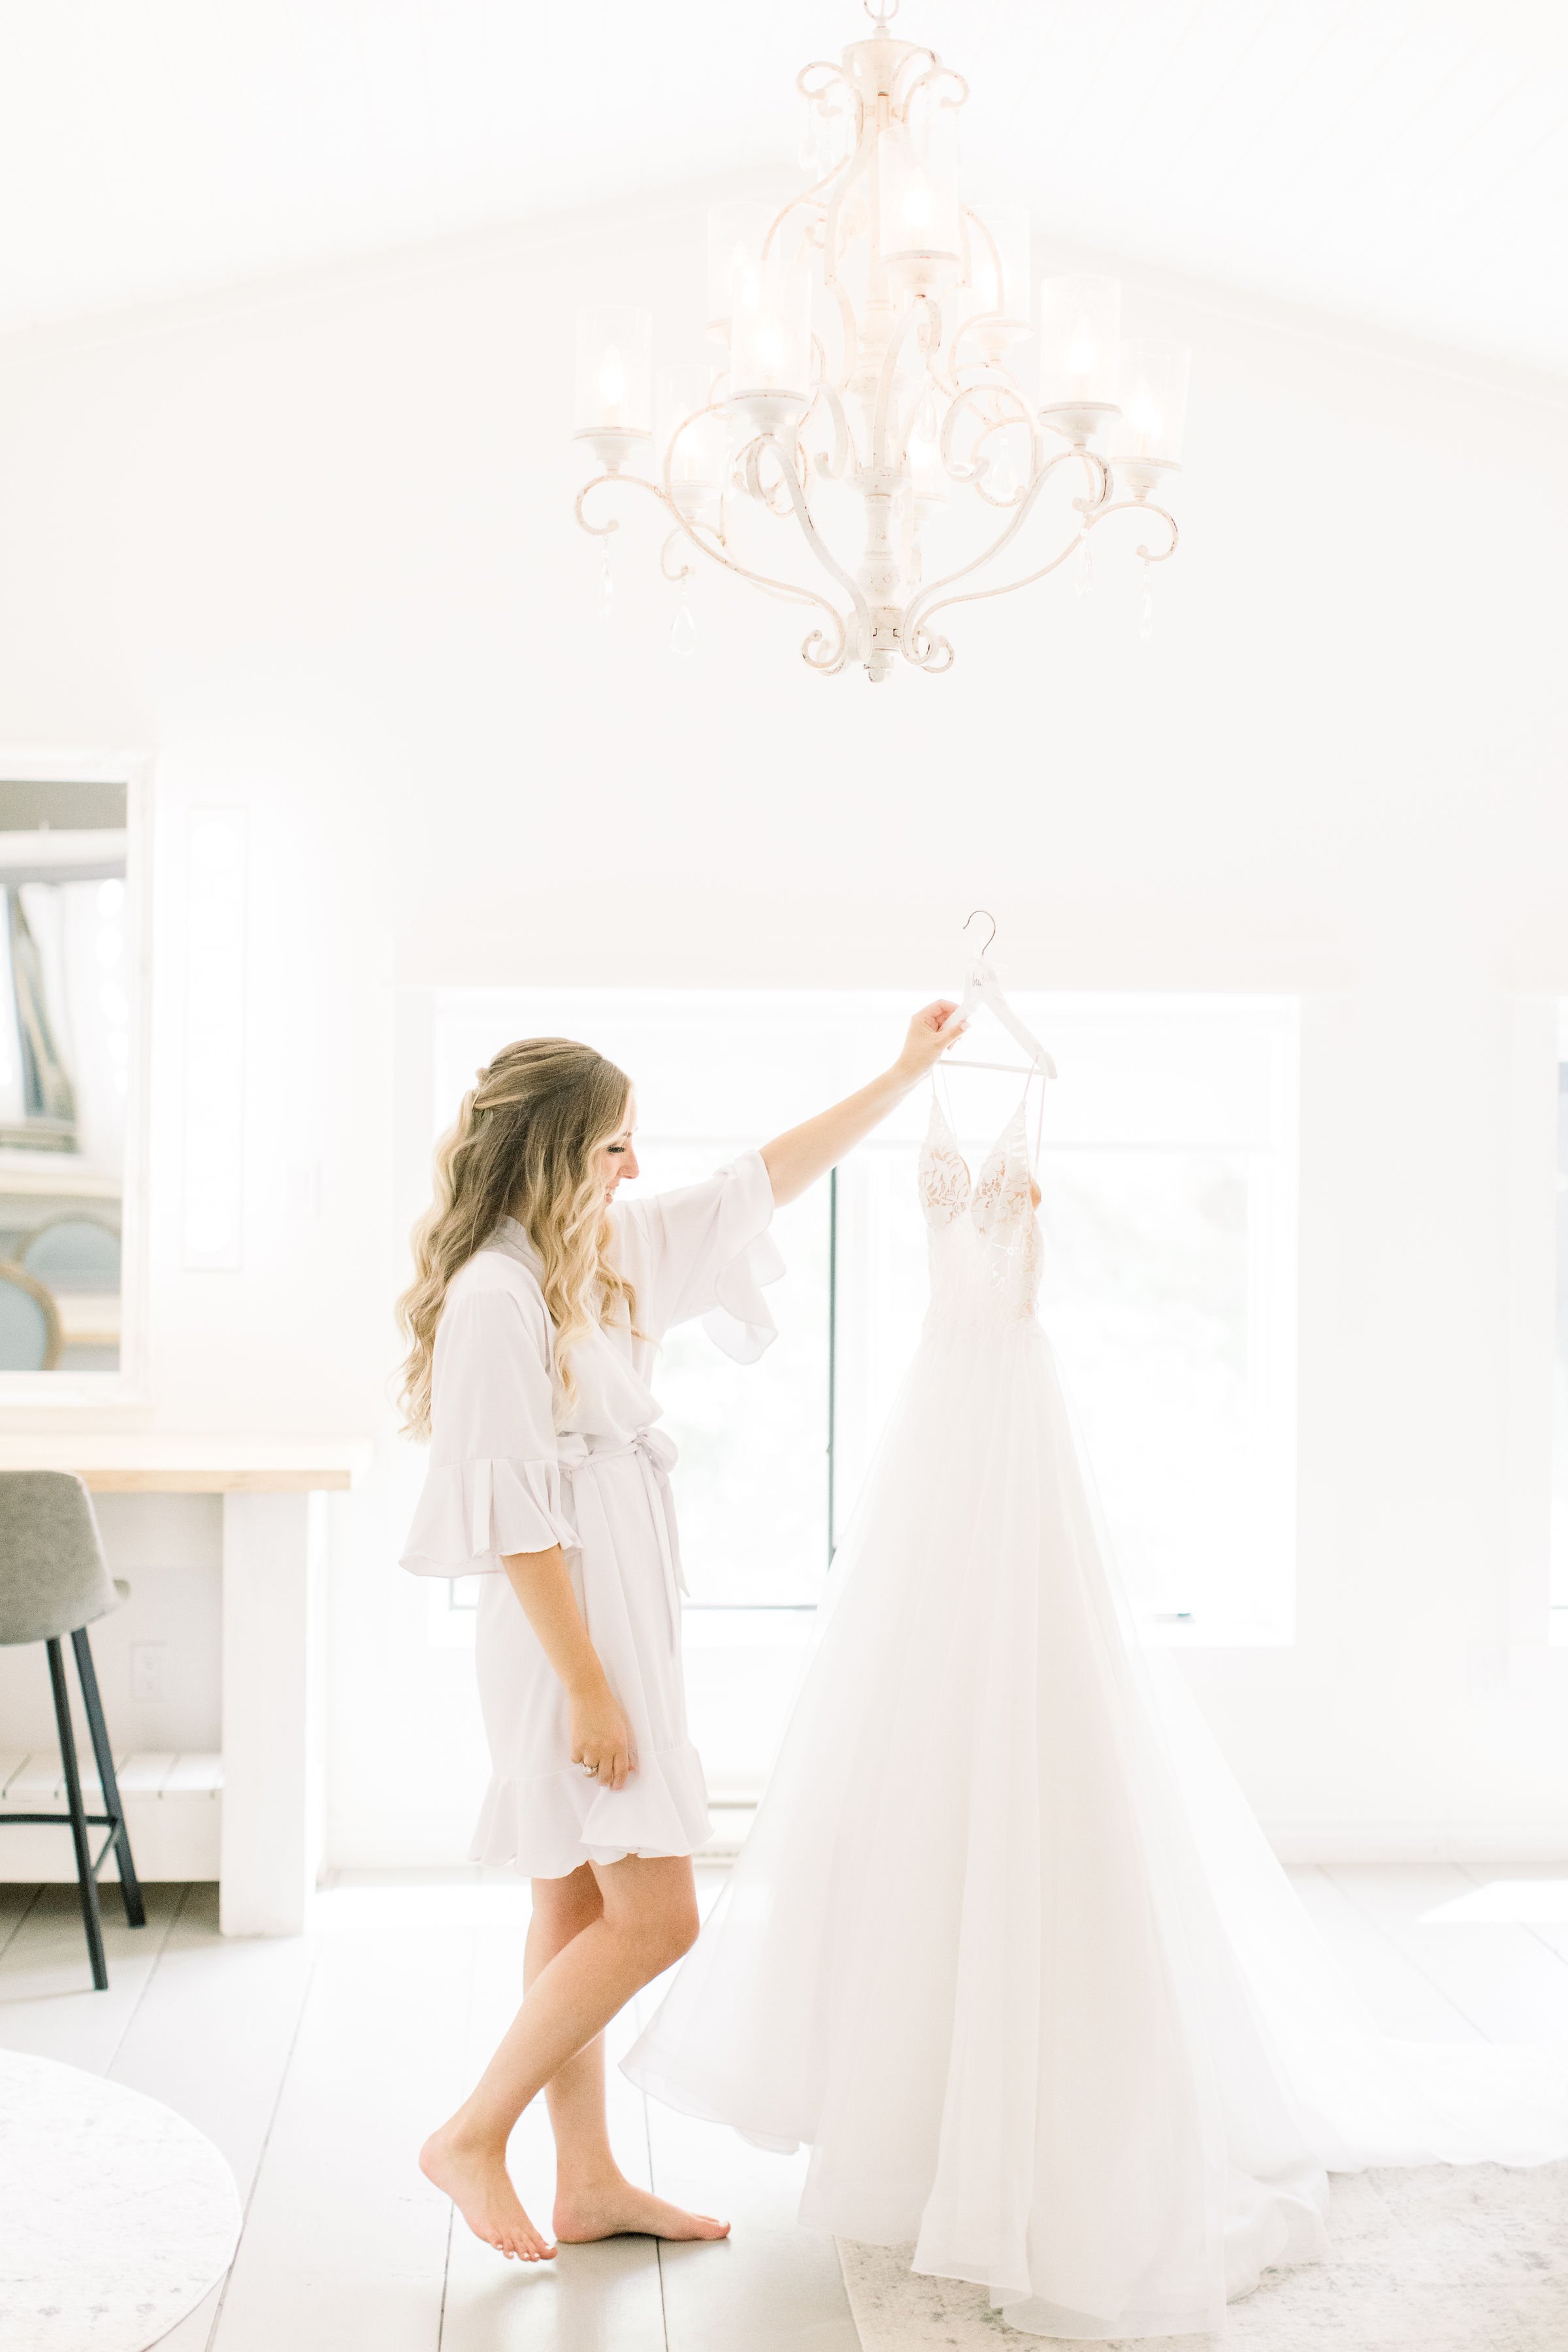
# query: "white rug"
{"type": "Point", "coordinates": [1439, 2260]}
{"type": "Point", "coordinates": [117, 2215]}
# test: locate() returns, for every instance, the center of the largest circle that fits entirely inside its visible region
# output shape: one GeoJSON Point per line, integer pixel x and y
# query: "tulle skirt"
{"type": "Point", "coordinates": [1005, 1947]}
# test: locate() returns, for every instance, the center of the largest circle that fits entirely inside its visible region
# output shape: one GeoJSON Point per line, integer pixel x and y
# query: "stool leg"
{"type": "Point", "coordinates": [85, 1879]}
{"type": "Point", "coordinates": [129, 1885]}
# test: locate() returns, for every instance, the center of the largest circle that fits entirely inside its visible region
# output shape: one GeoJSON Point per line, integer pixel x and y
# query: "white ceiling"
{"type": "Point", "coordinates": [1401, 161]}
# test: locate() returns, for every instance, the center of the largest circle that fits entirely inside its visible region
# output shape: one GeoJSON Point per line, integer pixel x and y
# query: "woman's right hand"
{"type": "Point", "coordinates": [600, 1737]}
{"type": "Point", "coordinates": [929, 1038]}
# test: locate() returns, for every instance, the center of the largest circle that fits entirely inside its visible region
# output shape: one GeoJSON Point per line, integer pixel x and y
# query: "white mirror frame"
{"type": "Point", "coordinates": [26, 763]}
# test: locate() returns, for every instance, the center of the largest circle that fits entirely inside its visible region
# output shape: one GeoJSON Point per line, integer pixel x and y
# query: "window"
{"type": "Point", "coordinates": [1168, 1168]}
{"type": "Point", "coordinates": [1168, 1174]}
{"type": "Point", "coordinates": [72, 1016]}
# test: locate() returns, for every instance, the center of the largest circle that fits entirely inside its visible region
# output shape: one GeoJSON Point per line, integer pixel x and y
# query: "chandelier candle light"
{"type": "Point", "coordinates": [866, 327]}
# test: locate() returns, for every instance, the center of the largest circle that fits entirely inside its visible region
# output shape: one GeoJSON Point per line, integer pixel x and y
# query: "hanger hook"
{"type": "Point", "coordinates": [991, 920]}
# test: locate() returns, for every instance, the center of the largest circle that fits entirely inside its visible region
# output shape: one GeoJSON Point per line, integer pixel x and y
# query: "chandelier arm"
{"type": "Point", "coordinates": [913, 57]}
{"type": "Point", "coordinates": [916, 631]}
{"type": "Point", "coordinates": [921, 605]}
{"type": "Point", "coordinates": [1138, 506]}
{"type": "Point", "coordinates": [786, 588]}
{"type": "Point", "coordinates": [935, 72]}
{"type": "Point", "coordinates": [1001, 424]}
{"type": "Point", "coordinates": [916, 628]}
{"type": "Point", "coordinates": [768, 493]}
{"type": "Point", "coordinates": [820, 548]}
{"type": "Point", "coordinates": [683, 571]}
{"type": "Point", "coordinates": [849, 324]}
{"type": "Point", "coordinates": [834, 72]}
{"type": "Point", "coordinates": [849, 171]}
{"type": "Point", "coordinates": [943, 363]}
{"type": "Point", "coordinates": [837, 465]}
{"type": "Point", "coordinates": [811, 196]}
{"type": "Point", "coordinates": [914, 317]}
{"type": "Point", "coordinates": [930, 335]}
{"type": "Point", "coordinates": [1097, 475]}
{"type": "Point", "coordinates": [998, 381]}
{"type": "Point", "coordinates": [714, 545]}
{"type": "Point", "coordinates": [603, 529]}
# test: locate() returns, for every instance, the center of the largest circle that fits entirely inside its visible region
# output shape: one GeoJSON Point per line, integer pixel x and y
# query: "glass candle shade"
{"type": "Point", "coordinates": [615, 369]}
{"type": "Point", "coordinates": [917, 194]}
{"type": "Point", "coordinates": [737, 233]}
{"type": "Point", "coordinates": [1080, 335]}
{"type": "Point", "coordinates": [928, 474]}
{"type": "Point", "coordinates": [1154, 402]}
{"type": "Point", "coordinates": [999, 260]}
{"type": "Point", "coordinates": [700, 456]}
{"type": "Point", "coordinates": [770, 336]}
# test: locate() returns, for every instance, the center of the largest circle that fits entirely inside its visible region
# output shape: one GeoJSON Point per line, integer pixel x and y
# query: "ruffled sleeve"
{"type": "Point", "coordinates": [705, 1250]}
{"type": "Point", "coordinates": [493, 1485]}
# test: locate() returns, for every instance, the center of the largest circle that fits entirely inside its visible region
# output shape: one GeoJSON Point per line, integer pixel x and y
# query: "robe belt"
{"type": "Point", "coordinates": [655, 1455]}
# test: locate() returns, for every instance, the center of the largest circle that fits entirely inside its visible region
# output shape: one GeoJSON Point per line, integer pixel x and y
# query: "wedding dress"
{"type": "Point", "coordinates": [1005, 1946]}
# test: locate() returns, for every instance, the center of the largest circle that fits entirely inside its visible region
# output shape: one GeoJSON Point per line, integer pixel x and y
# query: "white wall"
{"type": "Point", "coordinates": [312, 541]}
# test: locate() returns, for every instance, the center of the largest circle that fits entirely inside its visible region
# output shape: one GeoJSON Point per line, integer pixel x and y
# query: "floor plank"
{"type": "Point", "coordinates": [182, 2046]}
{"type": "Point", "coordinates": [344, 2243]}
{"type": "Point", "coordinates": [47, 2004]}
{"type": "Point", "coordinates": [1510, 1985]}
{"type": "Point", "coordinates": [1401, 1996]}
{"type": "Point", "coordinates": [1551, 1877]}
{"type": "Point", "coordinates": [772, 2287]}
{"type": "Point", "coordinates": [15, 1902]}
{"type": "Point", "coordinates": [603, 2298]}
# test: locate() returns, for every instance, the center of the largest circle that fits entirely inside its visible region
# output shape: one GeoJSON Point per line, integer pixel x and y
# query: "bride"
{"type": "Point", "coordinates": [1005, 1948]}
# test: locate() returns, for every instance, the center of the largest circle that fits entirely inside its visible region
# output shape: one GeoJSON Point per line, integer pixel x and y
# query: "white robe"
{"type": "Point", "coordinates": [514, 1468]}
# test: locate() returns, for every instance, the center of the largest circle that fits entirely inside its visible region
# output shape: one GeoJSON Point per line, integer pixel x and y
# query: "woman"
{"type": "Point", "coordinates": [533, 1325]}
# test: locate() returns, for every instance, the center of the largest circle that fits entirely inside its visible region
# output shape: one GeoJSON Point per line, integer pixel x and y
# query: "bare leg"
{"type": "Point", "coordinates": [593, 2198]}
{"type": "Point", "coordinates": [647, 1919]}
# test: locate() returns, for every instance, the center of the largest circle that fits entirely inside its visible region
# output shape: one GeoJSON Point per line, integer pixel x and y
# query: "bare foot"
{"type": "Point", "coordinates": [615, 2209]}
{"type": "Point", "coordinates": [477, 2183]}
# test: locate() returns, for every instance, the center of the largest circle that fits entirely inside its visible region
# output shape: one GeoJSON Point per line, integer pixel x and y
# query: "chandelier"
{"type": "Point", "coordinates": [862, 383]}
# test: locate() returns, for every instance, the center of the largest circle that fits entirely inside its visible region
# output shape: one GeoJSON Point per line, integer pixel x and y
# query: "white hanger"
{"type": "Point", "coordinates": [982, 987]}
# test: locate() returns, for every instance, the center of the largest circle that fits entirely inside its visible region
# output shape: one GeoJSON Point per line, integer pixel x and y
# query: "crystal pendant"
{"type": "Point", "coordinates": [1146, 607]}
{"type": "Point", "coordinates": [683, 628]}
{"type": "Point", "coordinates": [606, 598]}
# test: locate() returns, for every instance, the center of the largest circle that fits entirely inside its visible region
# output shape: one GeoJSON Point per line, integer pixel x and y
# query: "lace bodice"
{"type": "Point", "coordinates": [984, 1241]}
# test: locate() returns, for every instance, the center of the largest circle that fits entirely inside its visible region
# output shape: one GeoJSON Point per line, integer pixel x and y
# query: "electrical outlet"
{"type": "Point", "coordinates": [148, 1670]}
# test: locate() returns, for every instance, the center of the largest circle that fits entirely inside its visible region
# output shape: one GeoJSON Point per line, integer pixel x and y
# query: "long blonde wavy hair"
{"type": "Point", "coordinates": [522, 1146]}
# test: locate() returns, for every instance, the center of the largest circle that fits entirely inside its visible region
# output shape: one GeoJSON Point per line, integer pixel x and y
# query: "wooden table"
{"type": "Point", "coordinates": [274, 1577]}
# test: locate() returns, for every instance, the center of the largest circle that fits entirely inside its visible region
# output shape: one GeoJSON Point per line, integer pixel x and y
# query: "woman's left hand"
{"type": "Point", "coordinates": [924, 1044]}
{"type": "Point", "coordinates": [799, 1157]}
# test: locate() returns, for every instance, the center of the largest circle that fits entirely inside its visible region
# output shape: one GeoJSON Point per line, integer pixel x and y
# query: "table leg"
{"type": "Point", "coordinates": [274, 1561]}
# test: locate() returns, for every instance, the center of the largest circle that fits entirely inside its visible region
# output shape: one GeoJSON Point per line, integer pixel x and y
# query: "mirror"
{"type": "Point", "coordinates": [65, 1074]}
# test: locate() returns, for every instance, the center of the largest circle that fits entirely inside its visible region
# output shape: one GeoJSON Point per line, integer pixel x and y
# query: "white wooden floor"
{"type": "Point", "coordinates": [318, 2065]}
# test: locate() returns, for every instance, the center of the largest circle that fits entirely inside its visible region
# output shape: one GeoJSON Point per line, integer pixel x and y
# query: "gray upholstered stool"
{"type": "Point", "coordinates": [54, 1581]}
